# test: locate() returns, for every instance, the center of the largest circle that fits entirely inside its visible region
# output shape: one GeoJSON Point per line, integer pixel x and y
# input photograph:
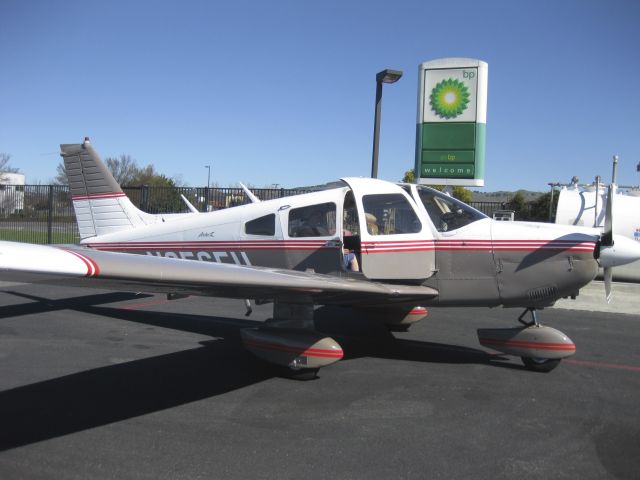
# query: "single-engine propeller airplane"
{"type": "Point", "coordinates": [415, 247]}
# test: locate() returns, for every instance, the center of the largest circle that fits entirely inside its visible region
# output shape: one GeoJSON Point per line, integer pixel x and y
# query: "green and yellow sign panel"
{"type": "Point", "coordinates": [452, 121]}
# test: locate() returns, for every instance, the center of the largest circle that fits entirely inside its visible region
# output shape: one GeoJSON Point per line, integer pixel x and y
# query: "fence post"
{"type": "Point", "coordinates": [144, 198]}
{"type": "Point", "coordinates": [50, 216]}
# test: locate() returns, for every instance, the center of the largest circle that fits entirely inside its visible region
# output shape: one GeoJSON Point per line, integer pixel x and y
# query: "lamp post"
{"type": "Point", "coordinates": [385, 76]}
{"type": "Point", "coordinates": [206, 197]}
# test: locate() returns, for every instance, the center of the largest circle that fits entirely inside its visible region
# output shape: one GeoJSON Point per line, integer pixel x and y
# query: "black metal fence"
{"type": "Point", "coordinates": [44, 213]}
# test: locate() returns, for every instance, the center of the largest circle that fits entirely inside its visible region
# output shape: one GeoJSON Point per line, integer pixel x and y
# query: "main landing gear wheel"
{"type": "Point", "coordinates": [299, 373]}
{"type": "Point", "coordinates": [398, 328]}
{"type": "Point", "coordinates": [540, 347]}
{"type": "Point", "coordinates": [543, 365]}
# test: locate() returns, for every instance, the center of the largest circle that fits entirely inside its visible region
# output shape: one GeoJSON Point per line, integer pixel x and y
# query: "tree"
{"type": "Point", "coordinates": [409, 176]}
{"type": "Point", "coordinates": [5, 167]}
{"type": "Point", "coordinates": [148, 176]}
{"type": "Point", "coordinates": [124, 169]}
{"type": "Point", "coordinates": [539, 208]}
{"type": "Point", "coordinates": [457, 191]}
{"type": "Point", "coordinates": [127, 173]}
{"type": "Point", "coordinates": [61, 175]}
{"type": "Point", "coordinates": [519, 206]}
{"type": "Point", "coordinates": [462, 194]}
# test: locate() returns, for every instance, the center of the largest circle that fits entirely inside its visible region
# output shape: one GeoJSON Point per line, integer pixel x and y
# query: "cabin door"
{"type": "Point", "coordinates": [395, 240]}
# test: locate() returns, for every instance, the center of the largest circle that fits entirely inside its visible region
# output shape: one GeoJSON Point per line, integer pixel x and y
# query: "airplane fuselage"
{"type": "Point", "coordinates": [402, 234]}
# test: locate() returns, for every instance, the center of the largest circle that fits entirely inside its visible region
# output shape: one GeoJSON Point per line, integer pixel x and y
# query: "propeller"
{"type": "Point", "coordinates": [608, 278]}
{"type": "Point", "coordinates": [614, 250]}
{"type": "Point", "coordinates": [606, 240]}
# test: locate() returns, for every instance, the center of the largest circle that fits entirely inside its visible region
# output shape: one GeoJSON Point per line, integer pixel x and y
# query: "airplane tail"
{"type": "Point", "coordinates": [100, 204]}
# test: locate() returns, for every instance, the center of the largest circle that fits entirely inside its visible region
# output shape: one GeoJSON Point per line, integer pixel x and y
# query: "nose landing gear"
{"type": "Point", "coordinates": [541, 348]}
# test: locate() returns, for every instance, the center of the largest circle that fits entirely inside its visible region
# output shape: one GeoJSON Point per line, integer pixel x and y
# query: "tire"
{"type": "Point", "coordinates": [398, 328]}
{"type": "Point", "coordinates": [543, 365]}
{"type": "Point", "coordinates": [301, 373]}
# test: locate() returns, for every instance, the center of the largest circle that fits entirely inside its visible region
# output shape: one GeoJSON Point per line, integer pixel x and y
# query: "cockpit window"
{"type": "Point", "coordinates": [390, 214]}
{"type": "Point", "coordinates": [447, 213]}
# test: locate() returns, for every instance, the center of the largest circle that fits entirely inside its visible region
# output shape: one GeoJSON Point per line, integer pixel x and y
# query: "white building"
{"type": "Point", "coordinates": [11, 192]}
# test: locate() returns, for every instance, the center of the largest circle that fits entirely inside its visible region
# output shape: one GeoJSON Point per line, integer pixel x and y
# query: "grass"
{"type": "Point", "coordinates": [37, 236]}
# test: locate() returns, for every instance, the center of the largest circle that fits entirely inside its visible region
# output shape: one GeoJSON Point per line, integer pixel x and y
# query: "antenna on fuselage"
{"type": "Point", "coordinates": [251, 196]}
{"type": "Point", "coordinates": [189, 205]}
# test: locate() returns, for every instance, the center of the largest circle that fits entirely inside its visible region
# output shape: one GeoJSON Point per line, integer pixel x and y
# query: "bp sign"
{"type": "Point", "coordinates": [452, 118]}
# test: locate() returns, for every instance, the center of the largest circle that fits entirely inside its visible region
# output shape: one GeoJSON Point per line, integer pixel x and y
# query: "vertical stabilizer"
{"type": "Point", "coordinates": [100, 204]}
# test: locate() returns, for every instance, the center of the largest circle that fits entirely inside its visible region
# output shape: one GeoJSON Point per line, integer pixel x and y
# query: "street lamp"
{"type": "Point", "coordinates": [206, 197]}
{"type": "Point", "coordinates": [385, 76]}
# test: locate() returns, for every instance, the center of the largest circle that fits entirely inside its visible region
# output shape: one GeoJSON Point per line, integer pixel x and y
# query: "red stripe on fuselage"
{"type": "Point", "coordinates": [224, 245]}
{"type": "Point", "coordinates": [367, 247]}
{"type": "Point", "coordinates": [479, 245]}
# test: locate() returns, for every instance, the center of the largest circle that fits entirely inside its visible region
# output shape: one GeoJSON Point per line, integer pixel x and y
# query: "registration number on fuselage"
{"type": "Point", "coordinates": [238, 258]}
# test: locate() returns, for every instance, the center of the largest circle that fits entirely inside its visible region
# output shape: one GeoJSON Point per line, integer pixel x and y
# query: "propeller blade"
{"type": "Point", "coordinates": [608, 278]}
{"type": "Point", "coordinates": [607, 235]}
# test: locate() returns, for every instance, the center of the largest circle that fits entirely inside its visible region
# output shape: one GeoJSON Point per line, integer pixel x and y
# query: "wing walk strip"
{"type": "Point", "coordinates": [368, 247]}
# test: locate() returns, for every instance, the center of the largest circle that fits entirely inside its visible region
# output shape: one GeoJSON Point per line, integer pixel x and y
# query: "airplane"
{"type": "Point", "coordinates": [415, 247]}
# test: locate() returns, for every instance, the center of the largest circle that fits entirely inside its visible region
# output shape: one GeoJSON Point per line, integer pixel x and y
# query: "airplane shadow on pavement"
{"type": "Point", "coordinates": [112, 393]}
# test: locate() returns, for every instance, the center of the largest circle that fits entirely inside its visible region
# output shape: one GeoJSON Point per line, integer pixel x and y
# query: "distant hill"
{"type": "Point", "coordinates": [504, 196]}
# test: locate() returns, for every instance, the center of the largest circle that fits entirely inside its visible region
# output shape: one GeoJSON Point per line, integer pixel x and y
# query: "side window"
{"type": "Point", "coordinates": [261, 226]}
{"type": "Point", "coordinates": [390, 214]}
{"type": "Point", "coordinates": [313, 221]}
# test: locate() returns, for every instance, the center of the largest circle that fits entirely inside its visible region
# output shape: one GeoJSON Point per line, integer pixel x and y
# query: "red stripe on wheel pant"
{"type": "Point", "coordinates": [310, 352]}
{"type": "Point", "coordinates": [530, 345]}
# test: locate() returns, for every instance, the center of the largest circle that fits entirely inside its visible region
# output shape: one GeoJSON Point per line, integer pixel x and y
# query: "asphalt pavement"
{"type": "Point", "coordinates": [103, 385]}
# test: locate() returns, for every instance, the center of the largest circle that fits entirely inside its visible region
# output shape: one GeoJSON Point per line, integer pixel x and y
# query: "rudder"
{"type": "Point", "coordinates": [100, 204]}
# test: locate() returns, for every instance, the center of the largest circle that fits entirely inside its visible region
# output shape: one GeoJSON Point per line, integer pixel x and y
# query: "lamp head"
{"type": "Point", "coordinates": [388, 76]}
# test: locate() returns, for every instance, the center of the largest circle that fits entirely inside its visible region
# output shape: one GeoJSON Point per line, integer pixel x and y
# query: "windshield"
{"type": "Point", "coordinates": [447, 213]}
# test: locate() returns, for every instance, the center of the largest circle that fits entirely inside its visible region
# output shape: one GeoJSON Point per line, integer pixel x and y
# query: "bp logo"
{"type": "Point", "coordinates": [449, 98]}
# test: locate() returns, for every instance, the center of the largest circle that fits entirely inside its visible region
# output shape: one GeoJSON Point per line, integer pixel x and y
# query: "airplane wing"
{"type": "Point", "coordinates": [78, 266]}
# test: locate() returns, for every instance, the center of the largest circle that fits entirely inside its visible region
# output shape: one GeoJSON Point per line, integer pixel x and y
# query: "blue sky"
{"type": "Point", "coordinates": [283, 91]}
